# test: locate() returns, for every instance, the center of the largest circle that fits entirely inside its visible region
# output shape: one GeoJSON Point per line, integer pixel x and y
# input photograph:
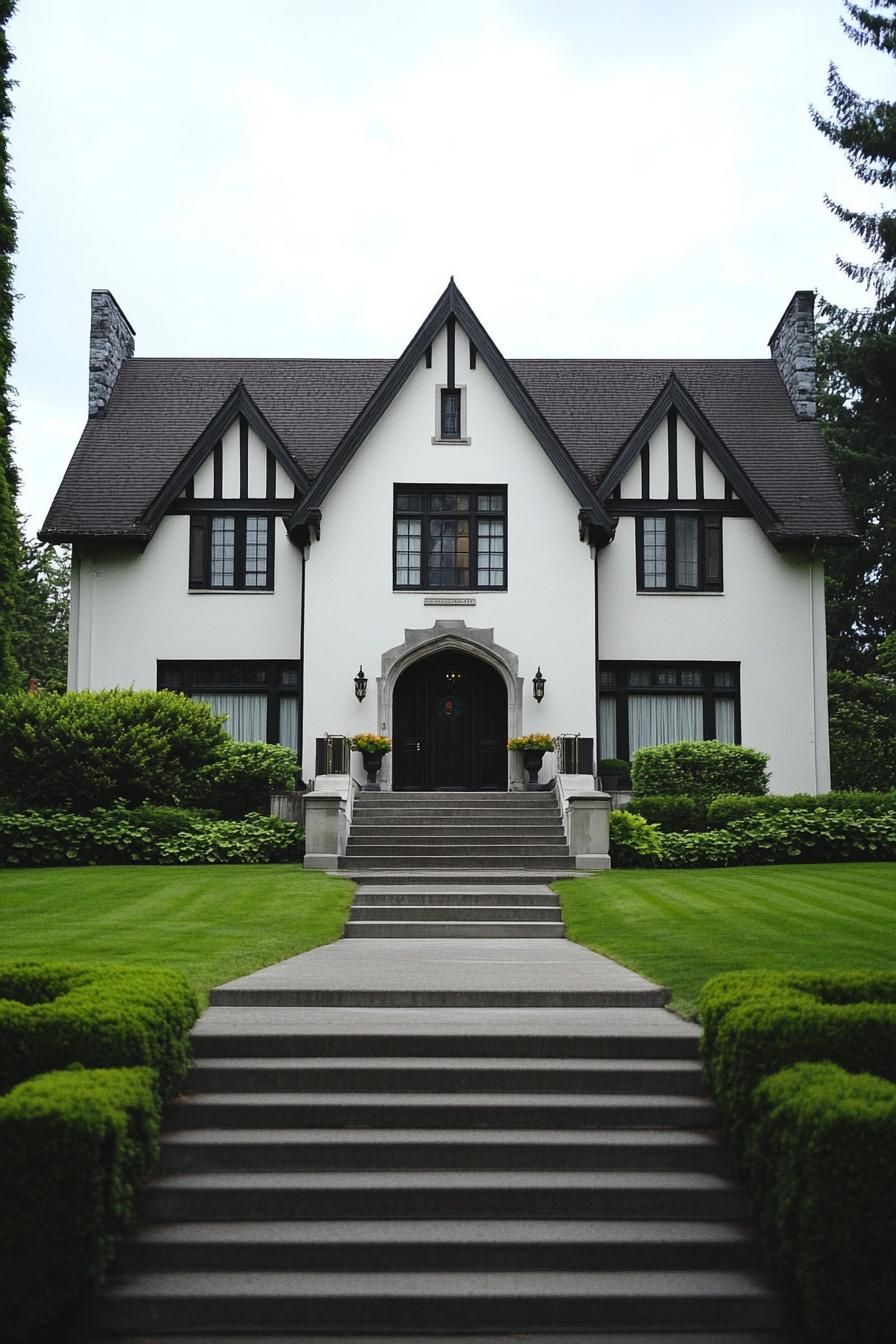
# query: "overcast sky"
{"type": "Point", "coordinates": [301, 177]}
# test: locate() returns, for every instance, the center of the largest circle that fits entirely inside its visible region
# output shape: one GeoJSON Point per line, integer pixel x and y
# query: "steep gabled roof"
{"type": "Point", "coordinates": [239, 403]}
{"type": "Point", "coordinates": [452, 303]}
{"type": "Point", "coordinates": [585, 411]}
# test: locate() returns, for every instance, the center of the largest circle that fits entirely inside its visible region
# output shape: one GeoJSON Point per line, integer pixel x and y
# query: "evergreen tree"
{"type": "Point", "coordinates": [857, 362]}
{"type": "Point", "coordinates": [10, 536]}
{"type": "Point", "coordinates": [42, 615]}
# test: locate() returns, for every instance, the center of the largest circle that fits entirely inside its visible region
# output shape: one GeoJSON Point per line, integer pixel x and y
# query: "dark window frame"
{"type": "Point", "coordinates": [274, 678]}
{"type": "Point", "coordinates": [617, 685]}
{"type": "Point", "coordinates": [710, 573]}
{"type": "Point", "coordinates": [200, 552]}
{"type": "Point", "coordinates": [426, 513]}
{"type": "Point", "coordinates": [450, 413]}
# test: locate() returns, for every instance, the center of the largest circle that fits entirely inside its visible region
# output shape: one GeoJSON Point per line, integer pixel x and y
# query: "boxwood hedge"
{"type": "Point", "coordinates": [54, 1015]}
{"type": "Point", "coordinates": [822, 1154]}
{"type": "Point", "coordinates": [699, 769]}
{"type": "Point", "coordinates": [758, 1022]}
{"type": "Point", "coordinates": [77, 1145]}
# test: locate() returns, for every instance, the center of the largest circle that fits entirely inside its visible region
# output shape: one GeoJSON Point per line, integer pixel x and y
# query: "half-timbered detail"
{"type": "Point", "coordinates": [323, 547]}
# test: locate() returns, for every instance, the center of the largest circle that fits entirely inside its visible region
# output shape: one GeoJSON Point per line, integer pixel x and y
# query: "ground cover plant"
{"type": "Point", "coordinates": [681, 927]}
{"type": "Point", "coordinates": [211, 923]}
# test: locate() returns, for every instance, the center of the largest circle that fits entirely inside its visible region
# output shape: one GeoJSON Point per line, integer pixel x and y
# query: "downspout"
{"type": "Point", "coordinates": [300, 715]}
{"type": "Point", "coordinates": [598, 745]}
{"type": "Point", "coordinates": [813, 680]}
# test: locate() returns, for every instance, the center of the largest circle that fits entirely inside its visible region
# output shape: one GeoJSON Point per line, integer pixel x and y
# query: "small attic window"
{"type": "Point", "coordinates": [449, 420]}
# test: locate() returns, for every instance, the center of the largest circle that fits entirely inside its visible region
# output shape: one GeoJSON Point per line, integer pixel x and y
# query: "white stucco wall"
{"type": "Point", "coordinates": [546, 617]}
{"type": "Point", "coordinates": [770, 619]}
{"type": "Point", "coordinates": [131, 609]}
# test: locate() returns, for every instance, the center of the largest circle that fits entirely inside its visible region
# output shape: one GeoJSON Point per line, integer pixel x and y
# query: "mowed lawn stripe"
{"type": "Point", "coordinates": [679, 927]}
{"type": "Point", "coordinates": [210, 922]}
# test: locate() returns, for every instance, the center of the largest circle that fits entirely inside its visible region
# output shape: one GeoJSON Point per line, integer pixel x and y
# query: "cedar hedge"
{"type": "Point", "coordinates": [671, 812]}
{"type": "Point", "coordinates": [77, 1145]}
{"type": "Point", "coordinates": [757, 1022]}
{"type": "Point", "coordinates": [147, 834]}
{"type": "Point", "coordinates": [736, 806]}
{"type": "Point", "coordinates": [822, 1158]}
{"type": "Point", "coordinates": [55, 1015]}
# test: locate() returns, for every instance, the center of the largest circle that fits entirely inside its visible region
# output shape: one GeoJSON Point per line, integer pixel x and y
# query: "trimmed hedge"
{"type": "Point", "coordinates": [700, 770]}
{"type": "Point", "coordinates": [634, 842]}
{"type": "Point", "coordinates": [243, 776]}
{"type": "Point", "coordinates": [77, 1146]}
{"type": "Point", "coordinates": [757, 1022]}
{"type": "Point", "coordinates": [147, 834]}
{"type": "Point", "coordinates": [87, 749]}
{"type": "Point", "coordinates": [671, 812]}
{"type": "Point", "coordinates": [54, 1015]}
{"type": "Point", "coordinates": [737, 806]}
{"type": "Point", "coordinates": [822, 1158]}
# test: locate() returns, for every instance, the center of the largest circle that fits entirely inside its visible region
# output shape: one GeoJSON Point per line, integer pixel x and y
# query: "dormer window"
{"type": "Point", "coordinates": [449, 424]}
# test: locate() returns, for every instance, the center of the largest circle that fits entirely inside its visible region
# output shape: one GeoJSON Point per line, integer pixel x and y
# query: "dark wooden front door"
{"type": "Point", "coordinates": [450, 725]}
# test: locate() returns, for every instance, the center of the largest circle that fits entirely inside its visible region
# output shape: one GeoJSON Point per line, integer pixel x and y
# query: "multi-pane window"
{"type": "Point", "coordinates": [231, 551]}
{"type": "Point", "coordinates": [679, 552]}
{"type": "Point", "coordinates": [451, 537]}
{"type": "Point", "coordinates": [449, 420]}
{"type": "Point", "coordinates": [259, 700]}
{"type": "Point", "coordinates": [649, 704]}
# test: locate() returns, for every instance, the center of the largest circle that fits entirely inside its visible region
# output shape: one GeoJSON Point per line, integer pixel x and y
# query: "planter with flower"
{"type": "Point", "coordinates": [372, 748]}
{"type": "Point", "coordinates": [533, 746]}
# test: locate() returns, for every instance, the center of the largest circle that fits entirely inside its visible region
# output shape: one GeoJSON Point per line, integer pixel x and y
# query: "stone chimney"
{"type": "Point", "coordinates": [111, 343]}
{"type": "Point", "coordinates": [793, 349]}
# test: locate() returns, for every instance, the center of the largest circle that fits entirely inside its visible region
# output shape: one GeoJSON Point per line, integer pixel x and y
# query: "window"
{"type": "Point", "coordinates": [260, 699]}
{"type": "Point", "coordinates": [450, 537]}
{"type": "Point", "coordinates": [647, 704]}
{"type": "Point", "coordinates": [449, 419]}
{"type": "Point", "coordinates": [232, 551]}
{"type": "Point", "coordinates": [679, 552]}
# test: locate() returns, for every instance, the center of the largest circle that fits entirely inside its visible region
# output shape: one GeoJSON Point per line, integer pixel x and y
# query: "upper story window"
{"type": "Point", "coordinates": [232, 552]}
{"type": "Point", "coordinates": [450, 537]}
{"type": "Point", "coordinates": [679, 552]}
{"type": "Point", "coordinates": [449, 420]}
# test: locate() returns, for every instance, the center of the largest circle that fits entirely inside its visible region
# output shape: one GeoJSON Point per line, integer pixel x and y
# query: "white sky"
{"type": "Point", "coordinates": [299, 177]}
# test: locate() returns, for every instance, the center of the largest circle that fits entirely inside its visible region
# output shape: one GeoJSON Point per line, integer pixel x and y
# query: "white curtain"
{"type": "Point", "coordinates": [725, 720]}
{"type": "Point", "coordinates": [656, 719]}
{"type": "Point", "coordinates": [289, 721]}
{"type": "Point", "coordinates": [608, 727]}
{"type": "Point", "coordinates": [247, 715]}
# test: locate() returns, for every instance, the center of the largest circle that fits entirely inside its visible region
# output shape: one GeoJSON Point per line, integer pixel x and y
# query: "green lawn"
{"type": "Point", "coordinates": [680, 927]}
{"type": "Point", "coordinates": [212, 923]}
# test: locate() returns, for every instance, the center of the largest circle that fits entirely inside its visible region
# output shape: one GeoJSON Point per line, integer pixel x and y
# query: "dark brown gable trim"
{"type": "Point", "coordinates": [238, 404]}
{"type": "Point", "coordinates": [675, 396]}
{"type": "Point", "coordinates": [595, 523]}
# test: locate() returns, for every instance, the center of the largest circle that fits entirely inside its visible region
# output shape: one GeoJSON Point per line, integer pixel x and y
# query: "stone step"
{"type": "Point", "coordinates": [445, 830]}
{"type": "Point", "coordinates": [387, 1074]}
{"type": "Point", "coordinates": [405, 1150]}
{"type": "Point", "coordinates": [500, 1337]}
{"type": "Point", "coordinates": [451, 1244]}
{"type": "Point", "coordinates": [454, 928]}
{"type": "Point", "coordinates": [440, 1110]}
{"type": "Point", "coordinates": [439, 998]}
{"type": "Point", "coordinates": [301, 1195]}
{"type": "Point", "coordinates": [382, 841]}
{"type": "Point", "coordinates": [546, 1036]}
{"type": "Point", "coordinates": [447, 910]}
{"type": "Point", "coordinates": [365, 867]}
{"type": "Point", "coordinates": [630, 1299]}
{"type": "Point", "coordinates": [416, 897]}
{"type": "Point", "coordinates": [543, 798]}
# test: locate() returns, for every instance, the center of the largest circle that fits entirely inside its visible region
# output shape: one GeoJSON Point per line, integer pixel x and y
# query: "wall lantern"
{"type": "Point", "coordinates": [538, 686]}
{"type": "Point", "coordinates": [360, 684]}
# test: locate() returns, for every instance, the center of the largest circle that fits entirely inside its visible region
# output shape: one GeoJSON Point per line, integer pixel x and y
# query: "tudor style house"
{"type": "Point", "coordinates": [647, 535]}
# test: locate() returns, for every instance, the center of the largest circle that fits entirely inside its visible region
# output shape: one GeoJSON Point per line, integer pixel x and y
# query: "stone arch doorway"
{"type": "Point", "coordinates": [450, 725]}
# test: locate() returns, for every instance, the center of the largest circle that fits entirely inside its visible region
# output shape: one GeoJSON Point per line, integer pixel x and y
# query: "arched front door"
{"type": "Point", "coordinates": [450, 725]}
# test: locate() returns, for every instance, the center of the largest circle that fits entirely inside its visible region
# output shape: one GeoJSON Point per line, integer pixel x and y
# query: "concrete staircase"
{"type": "Point", "coordinates": [401, 834]}
{"type": "Point", "coordinates": [386, 1170]}
{"type": "Point", "coordinates": [458, 910]}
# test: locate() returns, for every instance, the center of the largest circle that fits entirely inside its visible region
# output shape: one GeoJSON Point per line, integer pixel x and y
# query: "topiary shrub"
{"type": "Point", "coordinates": [701, 770]}
{"type": "Point", "coordinates": [757, 1022]}
{"type": "Point", "coordinates": [634, 842]}
{"type": "Point", "coordinates": [822, 1156]}
{"type": "Point", "coordinates": [56, 1014]}
{"type": "Point", "coordinates": [673, 812]}
{"type": "Point", "coordinates": [243, 775]}
{"type": "Point", "coordinates": [89, 749]}
{"type": "Point", "coordinates": [77, 1145]}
